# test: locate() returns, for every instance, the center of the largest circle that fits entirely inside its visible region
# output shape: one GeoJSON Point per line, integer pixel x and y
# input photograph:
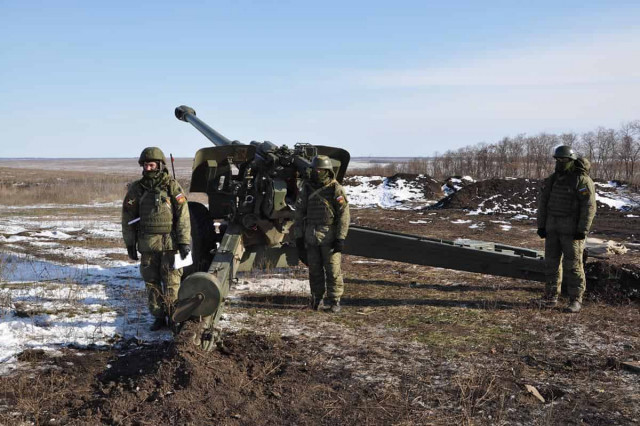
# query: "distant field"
{"type": "Point", "coordinates": [123, 166]}
{"type": "Point", "coordinates": [130, 165]}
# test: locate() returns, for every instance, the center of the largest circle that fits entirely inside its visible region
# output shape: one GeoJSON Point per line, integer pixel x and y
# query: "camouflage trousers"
{"type": "Point", "coordinates": [325, 270]}
{"type": "Point", "coordinates": [157, 268]}
{"type": "Point", "coordinates": [563, 255]}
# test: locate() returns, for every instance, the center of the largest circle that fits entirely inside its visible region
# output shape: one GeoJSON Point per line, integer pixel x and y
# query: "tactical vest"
{"type": "Point", "coordinates": [562, 200]}
{"type": "Point", "coordinates": [320, 210]}
{"type": "Point", "coordinates": [156, 212]}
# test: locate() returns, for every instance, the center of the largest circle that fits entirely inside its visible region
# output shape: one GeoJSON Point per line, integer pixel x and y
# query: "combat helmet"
{"type": "Point", "coordinates": [564, 151]}
{"type": "Point", "coordinates": [322, 162]}
{"type": "Point", "coordinates": [152, 153]}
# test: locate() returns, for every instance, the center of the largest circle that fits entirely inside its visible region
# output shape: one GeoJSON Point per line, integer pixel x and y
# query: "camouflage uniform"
{"type": "Point", "coordinates": [566, 208]}
{"type": "Point", "coordinates": [161, 206]}
{"type": "Point", "coordinates": [322, 217]}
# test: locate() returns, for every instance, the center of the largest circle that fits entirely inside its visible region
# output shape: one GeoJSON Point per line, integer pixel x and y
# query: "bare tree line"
{"type": "Point", "coordinates": [614, 155]}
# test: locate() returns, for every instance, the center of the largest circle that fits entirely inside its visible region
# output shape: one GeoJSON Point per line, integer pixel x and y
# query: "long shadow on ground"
{"type": "Point", "coordinates": [287, 302]}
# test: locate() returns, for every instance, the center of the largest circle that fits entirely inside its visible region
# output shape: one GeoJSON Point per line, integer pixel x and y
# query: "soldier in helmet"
{"type": "Point", "coordinates": [321, 226]}
{"type": "Point", "coordinates": [155, 222]}
{"type": "Point", "coordinates": [566, 208]}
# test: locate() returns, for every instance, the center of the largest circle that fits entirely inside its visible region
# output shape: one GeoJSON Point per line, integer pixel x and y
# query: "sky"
{"type": "Point", "coordinates": [85, 79]}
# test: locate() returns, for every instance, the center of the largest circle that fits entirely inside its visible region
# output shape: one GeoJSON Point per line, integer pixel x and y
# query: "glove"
{"type": "Point", "coordinates": [579, 235]}
{"type": "Point", "coordinates": [338, 245]}
{"type": "Point", "coordinates": [542, 233]}
{"type": "Point", "coordinates": [132, 252]}
{"type": "Point", "coordinates": [184, 250]}
{"type": "Point", "coordinates": [302, 251]}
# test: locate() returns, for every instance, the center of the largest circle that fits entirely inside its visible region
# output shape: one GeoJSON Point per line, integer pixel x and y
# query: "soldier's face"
{"type": "Point", "coordinates": [563, 164]}
{"type": "Point", "coordinates": [150, 166]}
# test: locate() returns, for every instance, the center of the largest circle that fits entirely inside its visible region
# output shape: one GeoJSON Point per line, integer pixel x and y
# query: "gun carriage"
{"type": "Point", "coordinates": [251, 190]}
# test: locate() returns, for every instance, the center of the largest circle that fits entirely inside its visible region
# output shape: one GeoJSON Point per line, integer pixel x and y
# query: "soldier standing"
{"type": "Point", "coordinates": [321, 226]}
{"type": "Point", "coordinates": [566, 208]}
{"type": "Point", "coordinates": [155, 222]}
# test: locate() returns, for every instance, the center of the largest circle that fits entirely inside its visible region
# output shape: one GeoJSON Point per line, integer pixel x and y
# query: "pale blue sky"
{"type": "Point", "coordinates": [403, 78]}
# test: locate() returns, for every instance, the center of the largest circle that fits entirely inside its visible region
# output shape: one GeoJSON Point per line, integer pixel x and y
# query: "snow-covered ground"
{"type": "Point", "coordinates": [617, 196]}
{"type": "Point", "coordinates": [378, 191]}
{"type": "Point", "coordinates": [403, 194]}
{"type": "Point", "coordinates": [48, 304]}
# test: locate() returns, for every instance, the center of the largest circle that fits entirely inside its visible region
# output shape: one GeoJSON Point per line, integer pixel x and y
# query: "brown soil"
{"type": "Point", "coordinates": [613, 283]}
{"type": "Point", "coordinates": [413, 345]}
{"type": "Point", "coordinates": [499, 195]}
{"type": "Point", "coordinates": [506, 196]}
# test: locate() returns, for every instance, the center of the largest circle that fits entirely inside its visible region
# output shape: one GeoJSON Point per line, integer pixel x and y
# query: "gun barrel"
{"type": "Point", "coordinates": [185, 113]}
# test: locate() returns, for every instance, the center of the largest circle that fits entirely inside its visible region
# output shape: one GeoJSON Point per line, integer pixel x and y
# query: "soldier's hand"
{"type": "Point", "coordinates": [338, 246]}
{"type": "Point", "coordinates": [542, 233]}
{"type": "Point", "coordinates": [132, 252]}
{"type": "Point", "coordinates": [184, 250]}
{"type": "Point", "coordinates": [579, 235]}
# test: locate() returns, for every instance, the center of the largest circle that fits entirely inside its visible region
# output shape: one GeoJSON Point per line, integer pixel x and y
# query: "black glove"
{"type": "Point", "coordinates": [132, 252]}
{"type": "Point", "coordinates": [302, 251]}
{"type": "Point", "coordinates": [579, 235]}
{"type": "Point", "coordinates": [338, 245]}
{"type": "Point", "coordinates": [542, 233]}
{"type": "Point", "coordinates": [184, 250]}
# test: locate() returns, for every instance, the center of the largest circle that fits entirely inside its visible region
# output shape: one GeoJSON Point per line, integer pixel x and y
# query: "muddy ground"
{"type": "Point", "coordinates": [413, 345]}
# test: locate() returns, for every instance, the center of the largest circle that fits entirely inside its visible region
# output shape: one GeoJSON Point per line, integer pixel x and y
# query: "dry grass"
{"type": "Point", "coordinates": [22, 187]}
{"type": "Point", "coordinates": [25, 187]}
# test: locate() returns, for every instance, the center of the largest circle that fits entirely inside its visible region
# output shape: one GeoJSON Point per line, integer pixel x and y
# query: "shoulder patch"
{"type": "Point", "coordinates": [584, 191]}
{"type": "Point", "coordinates": [180, 198]}
{"type": "Point", "coordinates": [340, 199]}
{"type": "Point", "coordinates": [130, 201]}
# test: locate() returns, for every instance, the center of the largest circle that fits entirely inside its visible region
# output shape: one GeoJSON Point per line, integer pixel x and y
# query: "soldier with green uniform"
{"type": "Point", "coordinates": [155, 222]}
{"type": "Point", "coordinates": [566, 208]}
{"type": "Point", "coordinates": [321, 226]}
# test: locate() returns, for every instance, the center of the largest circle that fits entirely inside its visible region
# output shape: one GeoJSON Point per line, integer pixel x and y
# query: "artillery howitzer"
{"type": "Point", "coordinates": [252, 189]}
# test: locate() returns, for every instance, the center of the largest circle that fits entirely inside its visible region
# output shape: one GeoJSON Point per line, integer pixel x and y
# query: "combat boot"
{"type": "Point", "coordinates": [574, 307]}
{"type": "Point", "coordinates": [315, 303]}
{"type": "Point", "coordinates": [158, 324]}
{"type": "Point", "coordinates": [334, 306]}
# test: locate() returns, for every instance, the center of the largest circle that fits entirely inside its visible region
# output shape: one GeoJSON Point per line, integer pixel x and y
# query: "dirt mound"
{"type": "Point", "coordinates": [400, 191]}
{"type": "Point", "coordinates": [431, 188]}
{"type": "Point", "coordinates": [456, 183]}
{"type": "Point", "coordinates": [612, 283]}
{"type": "Point", "coordinates": [357, 180]}
{"type": "Point", "coordinates": [258, 380]}
{"type": "Point", "coordinates": [495, 196]}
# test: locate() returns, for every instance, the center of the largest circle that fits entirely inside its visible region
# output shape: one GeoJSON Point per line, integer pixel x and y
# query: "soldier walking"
{"type": "Point", "coordinates": [566, 208]}
{"type": "Point", "coordinates": [155, 222]}
{"type": "Point", "coordinates": [321, 226]}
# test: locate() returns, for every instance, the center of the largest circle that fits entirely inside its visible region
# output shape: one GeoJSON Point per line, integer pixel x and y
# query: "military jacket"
{"type": "Point", "coordinates": [567, 202]}
{"type": "Point", "coordinates": [322, 214]}
{"type": "Point", "coordinates": [156, 216]}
